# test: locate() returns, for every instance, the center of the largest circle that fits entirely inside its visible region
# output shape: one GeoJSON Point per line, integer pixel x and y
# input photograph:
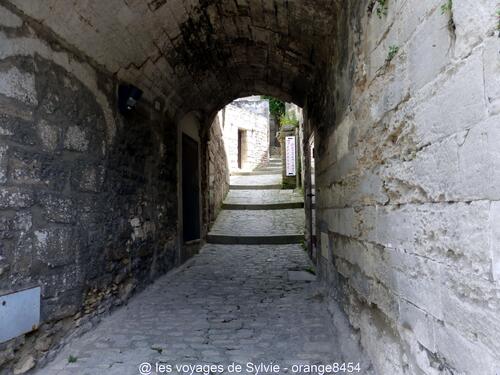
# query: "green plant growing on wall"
{"type": "Point", "coordinates": [393, 50]}
{"type": "Point", "coordinates": [72, 359]}
{"type": "Point", "coordinates": [303, 245]}
{"type": "Point", "coordinates": [289, 119]}
{"type": "Point", "coordinates": [498, 18]}
{"type": "Point", "coordinates": [310, 270]}
{"type": "Point", "coordinates": [381, 9]}
{"type": "Point", "coordinates": [447, 7]}
{"type": "Point", "coordinates": [276, 107]}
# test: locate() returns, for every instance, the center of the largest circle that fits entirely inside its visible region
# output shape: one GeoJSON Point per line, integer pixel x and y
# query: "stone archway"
{"type": "Point", "coordinates": [200, 55]}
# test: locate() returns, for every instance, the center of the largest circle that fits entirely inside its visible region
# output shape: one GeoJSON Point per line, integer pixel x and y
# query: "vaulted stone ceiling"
{"type": "Point", "coordinates": [198, 54]}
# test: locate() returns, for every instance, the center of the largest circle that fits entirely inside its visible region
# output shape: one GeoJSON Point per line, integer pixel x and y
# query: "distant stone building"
{"type": "Point", "coordinates": [245, 124]}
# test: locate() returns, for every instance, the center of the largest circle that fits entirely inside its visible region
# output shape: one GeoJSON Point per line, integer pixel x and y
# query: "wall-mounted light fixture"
{"type": "Point", "coordinates": [128, 95]}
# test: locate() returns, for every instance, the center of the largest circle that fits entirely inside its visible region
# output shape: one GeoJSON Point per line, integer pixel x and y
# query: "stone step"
{"type": "Point", "coordinates": [266, 206]}
{"type": "Point", "coordinates": [301, 276]}
{"type": "Point", "coordinates": [256, 173]}
{"type": "Point", "coordinates": [268, 169]}
{"type": "Point", "coordinates": [255, 187]}
{"type": "Point", "coordinates": [269, 179]}
{"type": "Point", "coordinates": [256, 224]}
{"type": "Point", "coordinates": [255, 240]}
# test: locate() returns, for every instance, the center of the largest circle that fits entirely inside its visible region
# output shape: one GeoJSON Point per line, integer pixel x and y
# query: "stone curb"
{"type": "Point", "coordinates": [270, 206]}
{"type": "Point", "coordinates": [255, 240]}
{"type": "Point", "coordinates": [255, 187]}
{"type": "Point", "coordinates": [256, 173]}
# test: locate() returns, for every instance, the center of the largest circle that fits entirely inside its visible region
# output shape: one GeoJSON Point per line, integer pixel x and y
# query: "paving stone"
{"type": "Point", "coordinates": [301, 276]}
{"type": "Point", "coordinates": [256, 187]}
{"type": "Point", "coordinates": [267, 179]}
{"type": "Point", "coordinates": [259, 223]}
{"type": "Point", "coordinates": [262, 196]}
{"type": "Point", "coordinates": [259, 172]}
{"type": "Point", "coordinates": [226, 286]}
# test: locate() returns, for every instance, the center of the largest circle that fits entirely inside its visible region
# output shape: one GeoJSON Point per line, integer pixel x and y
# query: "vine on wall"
{"type": "Point", "coordinates": [380, 7]}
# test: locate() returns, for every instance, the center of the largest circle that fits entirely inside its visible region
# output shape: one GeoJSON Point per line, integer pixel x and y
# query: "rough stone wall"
{"type": "Point", "coordinates": [407, 183]}
{"type": "Point", "coordinates": [87, 198]}
{"type": "Point", "coordinates": [218, 170]}
{"type": "Point", "coordinates": [294, 111]}
{"type": "Point", "coordinates": [252, 116]}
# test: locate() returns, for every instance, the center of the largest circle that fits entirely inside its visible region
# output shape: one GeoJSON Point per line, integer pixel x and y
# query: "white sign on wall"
{"type": "Point", "coordinates": [19, 313]}
{"type": "Point", "coordinates": [290, 155]}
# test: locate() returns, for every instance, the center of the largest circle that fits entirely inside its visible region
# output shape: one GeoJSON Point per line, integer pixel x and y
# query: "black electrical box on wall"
{"type": "Point", "coordinates": [128, 96]}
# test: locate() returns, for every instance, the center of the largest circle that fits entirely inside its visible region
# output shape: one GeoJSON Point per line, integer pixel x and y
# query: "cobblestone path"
{"type": "Point", "coordinates": [259, 222]}
{"type": "Point", "coordinates": [256, 180]}
{"type": "Point", "coordinates": [230, 303]}
{"type": "Point", "coordinates": [262, 197]}
{"type": "Point", "coordinates": [283, 223]}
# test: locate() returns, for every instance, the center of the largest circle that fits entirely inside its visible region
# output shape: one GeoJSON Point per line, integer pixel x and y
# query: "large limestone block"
{"type": "Point", "coordinates": [460, 167]}
{"type": "Point", "coordinates": [354, 190]}
{"type": "Point", "coordinates": [371, 260]}
{"type": "Point", "coordinates": [419, 281]}
{"type": "Point", "coordinates": [450, 234]}
{"type": "Point", "coordinates": [420, 322]}
{"type": "Point", "coordinates": [472, 307]}
{"type": "Point", "coordinates": [474, 21]}
{"type": "Point", "coordinates": [462, 354]}
{"type": "Point", "coordinates": [8, 19]}
{"type": "Point", "coordinates": [491, 61]}
{"type": "Point", "coordinates": [429, 50]}
{"type": "Point", "coordinates": [494, 225]}
{"type": "Point", "coordinates": [411, 17]}
{"type": "Point", "coordinates": [342, 221]}
{"type": "Point", "coordinates": [451, 104]}
{"type": "Point", "coordinates": [381, 343]}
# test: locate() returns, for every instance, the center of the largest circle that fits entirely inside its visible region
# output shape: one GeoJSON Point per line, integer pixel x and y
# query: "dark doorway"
{"type": "Point", "coordinates": [190, 189]}
{"type": "Point", "coordinates": [240, 143]}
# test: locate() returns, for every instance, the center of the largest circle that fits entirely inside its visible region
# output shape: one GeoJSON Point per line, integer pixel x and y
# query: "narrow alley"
{"type": "Point", "coordinates": [247, 304]}
{"type": "Point", "coordinates": [258, 211]}
{"type": "Point", "coordinates": [286, 181]}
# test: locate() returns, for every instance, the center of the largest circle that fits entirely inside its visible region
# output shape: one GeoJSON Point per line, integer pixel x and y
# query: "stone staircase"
{"type": "Point", "coordinates": [270, 180]}
{"type": "Point", "coordinates": [273, 168]}
{"type": "Point", "coordinates": [257, 211]}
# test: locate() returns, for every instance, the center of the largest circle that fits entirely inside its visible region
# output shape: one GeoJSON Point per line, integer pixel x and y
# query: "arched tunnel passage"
{"type": "Point", "coordinates": [400, 107]}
